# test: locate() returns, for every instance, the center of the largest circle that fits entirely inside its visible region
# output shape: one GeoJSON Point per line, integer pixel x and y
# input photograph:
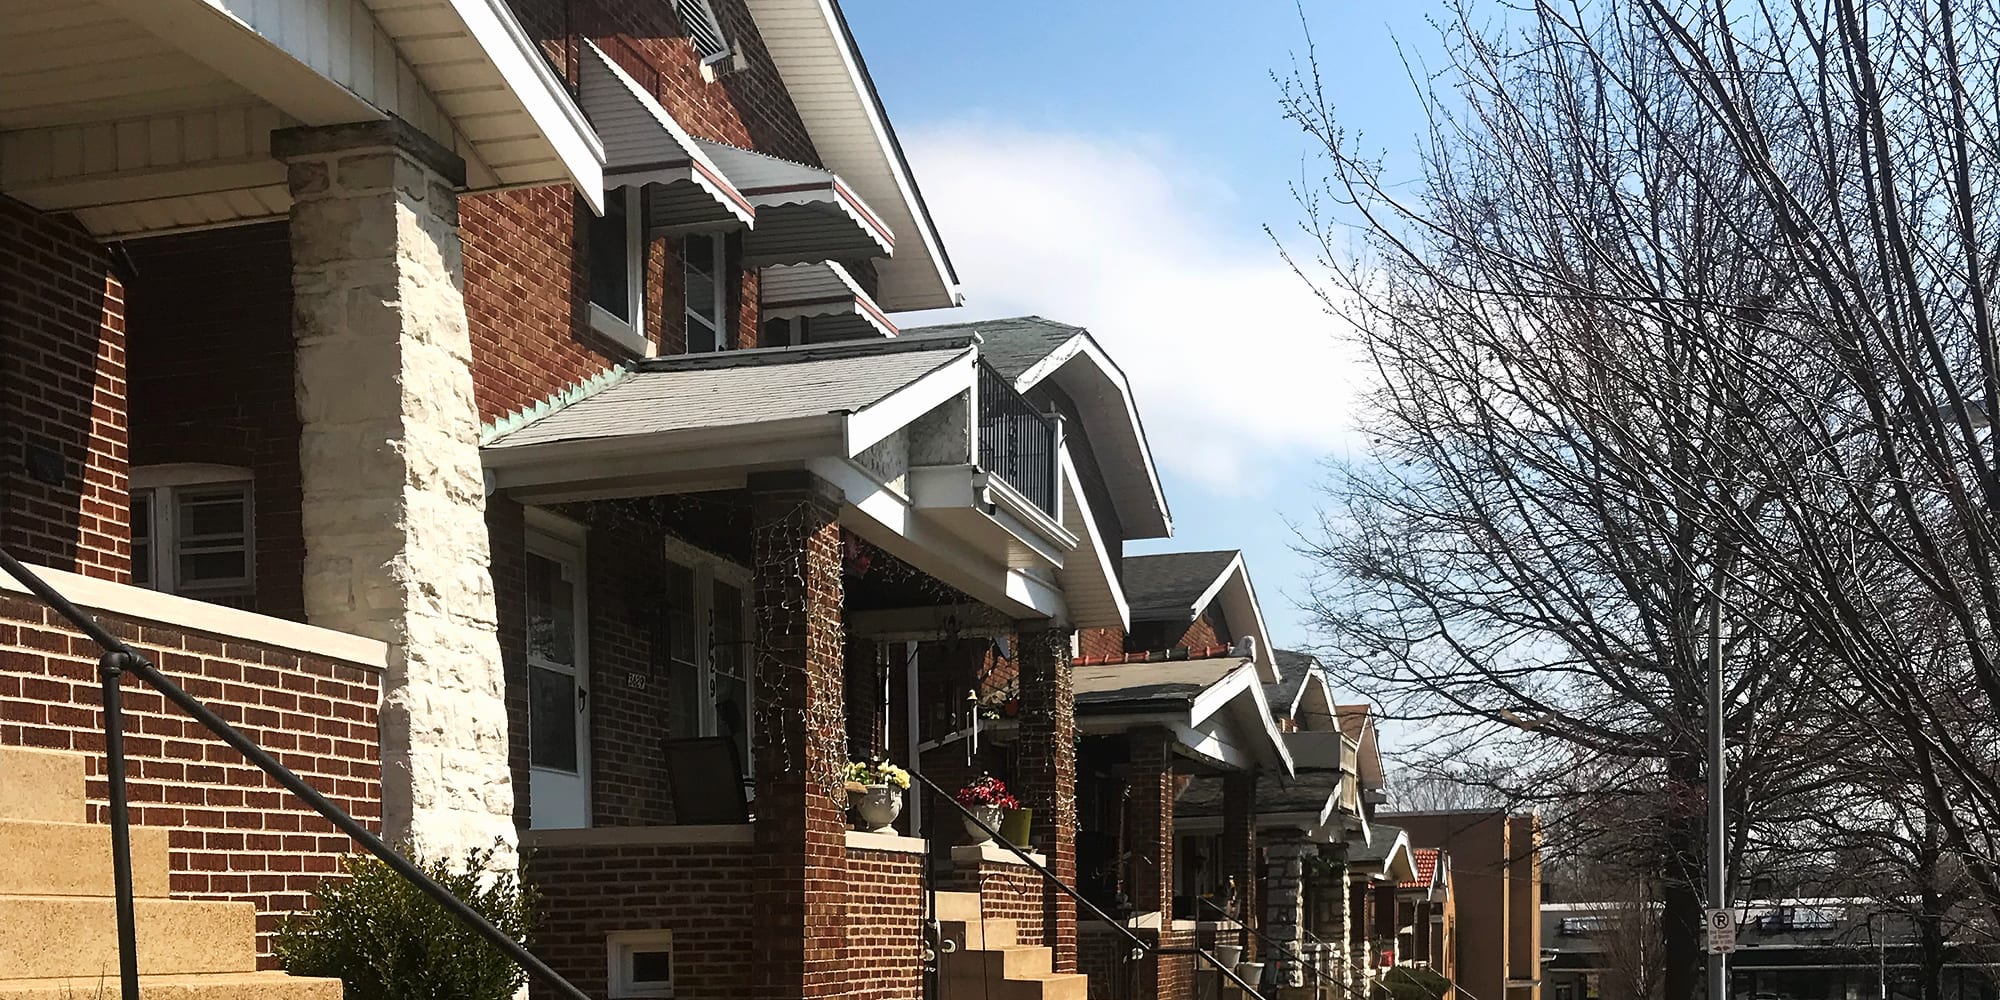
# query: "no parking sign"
{"type": "Point", "coordinates": [1721, 926]}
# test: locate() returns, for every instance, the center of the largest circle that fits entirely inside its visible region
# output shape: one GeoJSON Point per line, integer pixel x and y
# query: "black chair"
{"type": "Point", "coordinates": [704, 773]}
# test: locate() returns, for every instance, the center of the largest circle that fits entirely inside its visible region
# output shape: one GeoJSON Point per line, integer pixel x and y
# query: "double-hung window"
{"type": "Point", "coordinates": [705, 269]}
{"type": "Point", "coordinates": [193, 532]}
{"type": "Point", "coordinates": [708, 661]}
{"type": "Point", "coordinates": [616, 245]}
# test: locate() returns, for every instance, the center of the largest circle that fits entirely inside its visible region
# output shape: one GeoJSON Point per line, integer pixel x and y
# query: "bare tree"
{"type": "Point", "coordinates": [1615, 431]}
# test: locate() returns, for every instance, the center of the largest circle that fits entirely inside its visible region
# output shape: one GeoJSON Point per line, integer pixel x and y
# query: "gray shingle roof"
{"type": "Point", "coordinates": [1011, 346]}
{"type": "Point", "coordinates": [1293, 667]}
{"type": "Point", "coordinates": [1381, 841]}
{"type": "Point", "coordinates": [1172, 581]}
{"type": "Point", "coordinates": [1169, 684]}
{"type": "Point", "coordinates": [740, 387]}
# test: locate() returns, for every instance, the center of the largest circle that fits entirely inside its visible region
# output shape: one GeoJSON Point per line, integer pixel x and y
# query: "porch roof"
{"type": "Point", "coordinates": [1386, 852]}
{"type": "Point", "coordinates": [1307, 803]}
{"type": "Point", "coordinates": [734, 389]}
{"type": "Point", "coordinates": [1215, 707]}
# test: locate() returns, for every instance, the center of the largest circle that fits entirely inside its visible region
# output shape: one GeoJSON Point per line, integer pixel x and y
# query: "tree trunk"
{"type": "Point", "coordinates": [1680, 895]}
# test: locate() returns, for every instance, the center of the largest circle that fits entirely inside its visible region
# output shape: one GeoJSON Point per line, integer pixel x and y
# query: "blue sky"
{"type": "Point", "coordinates": [1113, 164]}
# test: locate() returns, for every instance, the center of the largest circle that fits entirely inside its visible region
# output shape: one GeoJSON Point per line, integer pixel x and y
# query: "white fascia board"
{"type": "Point", "coordinates": [1031, 523]}
{"type": "Point", "coordinates": [866, 427]}
{"type": "Point", "coordinates": [1076, 509]}
{"type": "Point", "coordinates": [1085, 347]}
{"type": "Point", "coordinates": [741, 446]}
{"type": "Point", "coordinates": [545, 98]}
{"type": "Point", "coordinates": [894, 523]}
{"type": "Point", "coordinates": [1315, 680]}
{"type": "Point", "coordinates": [1244, 685]}
{"type": "Point", "coordinates": [1212, 698]}
{"type": "Point", "coordinates": [1208, 743]}
{"type": "Point", "coordinates": [1232, 586]}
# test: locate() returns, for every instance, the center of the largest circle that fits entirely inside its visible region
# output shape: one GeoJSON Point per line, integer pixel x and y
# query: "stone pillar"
{"type": "Point", "coordinates": [1360, 919]}
{"type": "Point", "coordinates": [1285, 853]}
{"type": "Point", "coordinates": [799, 886]}
{"type": "Point", "coordinates": [1239, 848]}
{"type": "Point", "coordinates": [1150, 809]}
{"type": "Point", "coordinates": [1047, 777]}
{"type": "Point", "coordinates": [1328, 920]}
{"type": "Point", "coordinates": [393, 498]}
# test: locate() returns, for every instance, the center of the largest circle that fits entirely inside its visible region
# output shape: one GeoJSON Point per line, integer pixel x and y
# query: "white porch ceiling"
{"type": "Point", "coordinates": [144, 116]}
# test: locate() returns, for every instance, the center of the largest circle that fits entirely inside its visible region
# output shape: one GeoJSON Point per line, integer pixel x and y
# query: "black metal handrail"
{"type": "Point", "coordinates": [1140, 949]}
{"type": "Point", "coordinates": [1284, 951]}
{"type": "Point", "coordinates": [119, 659]}
{"type": "Point", "coordinates": [1016, 443]}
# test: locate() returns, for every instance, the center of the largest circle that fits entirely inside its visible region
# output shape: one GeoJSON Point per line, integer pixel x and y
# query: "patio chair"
{"type": "Point", "coordinates": [704, 773]}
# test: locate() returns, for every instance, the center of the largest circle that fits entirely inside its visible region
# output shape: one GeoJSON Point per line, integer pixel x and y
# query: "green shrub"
{"type": "Point", "coordinates": [1408, 982]}
{"type": "Point", "coordinates": [387, 940]}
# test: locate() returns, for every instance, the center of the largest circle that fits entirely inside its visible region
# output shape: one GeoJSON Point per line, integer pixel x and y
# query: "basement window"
{"type": "Point", "coordinates": [641, 964]}
{"type": "Point", "coordinates": [616, 245]}
{"type": "Point", "coordinates": [193, 532]}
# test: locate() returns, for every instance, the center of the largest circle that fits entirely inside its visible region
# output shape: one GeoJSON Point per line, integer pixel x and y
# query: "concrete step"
{"type": "Point", "coordinates": [1056, 986]}
{"type": "Point", "coordinates": [995, 932]}
{"type": "Point", "coordinates": [74, 859]}
{"type": "Point", "coordinates": [956, 905]}
{"type": "Point", "coordinates": [77, 936]}
{"type": "Point", "coordinates": [227, 986]}
{"type": "Point", "coordinates": [1004, 962]}
{"type": "Point", "coordinates": [42, 785]}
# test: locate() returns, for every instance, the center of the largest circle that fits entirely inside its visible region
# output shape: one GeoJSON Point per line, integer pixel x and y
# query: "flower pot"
{"type": "Point", "coordinates": [1252, 972]}
{"type": "Point", "coordinates": [1014, 828]}
{"type": "Point", "coordinates": [989, 815]}
{"type": "Point", "coordinates": [1228, 955]}
{"type": "Point", "coordinates": [878, 806]}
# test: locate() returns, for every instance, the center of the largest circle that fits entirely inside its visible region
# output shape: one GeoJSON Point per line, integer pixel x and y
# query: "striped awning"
{"type": "Point", "coordinates": [804, 214]}
{"type": "Point", "coordinates": [645, 146]}
{"type": "Point", "coordinates": [824, 294]}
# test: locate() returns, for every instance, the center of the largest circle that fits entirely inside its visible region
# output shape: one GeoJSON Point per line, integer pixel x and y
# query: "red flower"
{"type": "Point", "coordinates": [987, 791]}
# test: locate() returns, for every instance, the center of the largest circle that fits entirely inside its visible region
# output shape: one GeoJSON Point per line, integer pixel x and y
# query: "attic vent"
{"type": "Point", "coordinates": [703, 29]}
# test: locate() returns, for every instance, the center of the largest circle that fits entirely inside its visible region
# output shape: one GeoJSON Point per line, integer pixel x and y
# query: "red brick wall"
{"type": "Point", "coordinates": [884, 918]}
{"type": "Point", "coordinates": [63, 461]}
{"type": "Point", "coordinates": [212, 379]}
{"type": "Point", "coordinates": [526, 280]}
{"type": "Point", "coordinates": [700, 892]}
{"type": "Point", "coordinates": [237, 834]}
{"type": "Point", "coordinates": [1047, 773]}
{"type": "Point", "coordinates": [1100, 642]}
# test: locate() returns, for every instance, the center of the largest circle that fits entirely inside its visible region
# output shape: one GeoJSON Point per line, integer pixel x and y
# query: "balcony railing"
{"type": "Point", "coordinates": [1015, 442]}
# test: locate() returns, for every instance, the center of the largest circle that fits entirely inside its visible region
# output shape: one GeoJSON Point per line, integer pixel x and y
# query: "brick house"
{"type": "Point", "coordinates": [496, 411]}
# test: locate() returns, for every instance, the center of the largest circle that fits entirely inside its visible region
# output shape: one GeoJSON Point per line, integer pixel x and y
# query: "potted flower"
{"type": "Point", "coordinates": [988, 799]}
{"type": "Point", "coordinates": [881, 798]}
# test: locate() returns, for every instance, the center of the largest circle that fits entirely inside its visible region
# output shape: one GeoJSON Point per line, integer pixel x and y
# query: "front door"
{"type": "Point", "coordinates": [558, 701]}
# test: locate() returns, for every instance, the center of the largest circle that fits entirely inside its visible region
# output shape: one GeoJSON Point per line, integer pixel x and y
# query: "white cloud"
{"type": "Point", "coordinates": [1232, 357]}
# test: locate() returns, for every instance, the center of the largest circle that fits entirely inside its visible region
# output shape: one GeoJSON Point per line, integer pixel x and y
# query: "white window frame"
{"type": "Point", "coordinates": [619, 947]}
{"type": "Point", "coordinates": [563, 541]}
{"type": "Point", "coordinates": [166, 484]}
{"type": "Point", "coordinates": [632, 335]}
{"type": "Point", "coordinates": [720, 321]}
{"type": "Point", "coordinates": [708, 569]}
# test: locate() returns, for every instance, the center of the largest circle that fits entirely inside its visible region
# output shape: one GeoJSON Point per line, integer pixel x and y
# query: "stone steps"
{"type": "Point", "coordinates": [225, 986]}
{"type": "Point", "coordinates": [59, 921]}
{"type": "Point", "coordinates": [988, 963]}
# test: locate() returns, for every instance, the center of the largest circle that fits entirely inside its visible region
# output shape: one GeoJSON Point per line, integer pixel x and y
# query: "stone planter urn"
{"type": "Point", "coordinates": [878, 806]}
{"type": "Point", "coordinates": [1252, 973]}
{"type": "Point", "coordinates": [1228, 955]}
{"type": "Point", "coordinates": [992, 816]}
